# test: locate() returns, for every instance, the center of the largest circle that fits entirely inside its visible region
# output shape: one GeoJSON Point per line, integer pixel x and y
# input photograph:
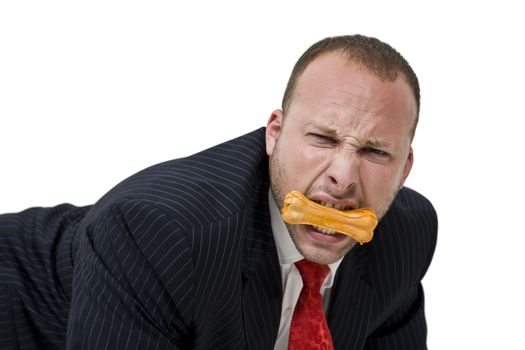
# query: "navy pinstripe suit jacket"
{"type": "Point", "coordinates": [181, 255]}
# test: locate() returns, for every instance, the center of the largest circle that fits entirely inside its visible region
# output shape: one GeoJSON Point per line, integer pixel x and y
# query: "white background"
{"type": "Point", "coordinates": [92, 92]}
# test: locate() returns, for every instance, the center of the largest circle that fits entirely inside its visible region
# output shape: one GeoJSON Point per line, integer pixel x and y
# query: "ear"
{"type": "Point", "coordinates": [273, 130]}
{"type": "Point", "coordinates": [408, 166]}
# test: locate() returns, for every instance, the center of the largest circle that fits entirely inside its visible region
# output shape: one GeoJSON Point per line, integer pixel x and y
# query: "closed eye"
{"type": "Point", "coordinates": [322, 139]}
{"type": "Point", "coordinates": [375, 152]}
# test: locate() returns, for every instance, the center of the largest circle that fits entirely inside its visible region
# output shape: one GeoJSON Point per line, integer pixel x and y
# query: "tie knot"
{"type": "Point", "coordinates": [313, 274]}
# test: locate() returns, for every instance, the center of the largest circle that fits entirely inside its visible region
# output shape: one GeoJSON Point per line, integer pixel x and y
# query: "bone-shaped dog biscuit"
{"type": "Point", "coordinates": [357, 223]}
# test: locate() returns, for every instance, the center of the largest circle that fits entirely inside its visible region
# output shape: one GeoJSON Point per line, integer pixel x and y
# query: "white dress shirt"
{"type": "Point", "coordinates": [291, 279]}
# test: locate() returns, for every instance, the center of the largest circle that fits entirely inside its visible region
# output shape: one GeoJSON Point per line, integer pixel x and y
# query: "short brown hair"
{"type": "Point", "coordinates": [378, 57]}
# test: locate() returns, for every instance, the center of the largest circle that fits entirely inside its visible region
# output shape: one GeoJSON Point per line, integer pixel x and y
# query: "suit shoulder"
{"type": "Point", "coordinates": [208, 185]}
{"type": "Point", "coordinates": [409, 199]}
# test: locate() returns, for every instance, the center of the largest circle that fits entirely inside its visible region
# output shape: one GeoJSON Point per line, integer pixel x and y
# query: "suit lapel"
{"type": "Point", "coordinates": [262, 290]}
{"type": "Point", "coordinates": [351, 302]}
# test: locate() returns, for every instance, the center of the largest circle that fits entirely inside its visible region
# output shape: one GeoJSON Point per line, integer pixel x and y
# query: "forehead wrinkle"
{"type": "Point", "coordinates": [332, 128]}
{"type": "Point", "coordinates": [357, 143]}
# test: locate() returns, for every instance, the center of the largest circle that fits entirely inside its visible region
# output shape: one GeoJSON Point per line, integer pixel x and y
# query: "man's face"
{"type": "Point", "coordinates": [345, 141]}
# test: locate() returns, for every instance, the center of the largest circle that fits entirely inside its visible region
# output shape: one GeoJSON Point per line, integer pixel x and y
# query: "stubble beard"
{"type": "Point", "coordinates": [323, 255]}
{"type": "Point", "coordinates": [278, 173]}
{"type": "Point", "coordinates": [381, 211]}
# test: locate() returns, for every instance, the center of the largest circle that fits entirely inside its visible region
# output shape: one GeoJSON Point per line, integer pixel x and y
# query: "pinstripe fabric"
{"type": "Point", "coordinates": [35, 274]}
{"type": "Point", "coordinates": [181, 255]}
{"type": "Point", "coordinates": [381, 283]}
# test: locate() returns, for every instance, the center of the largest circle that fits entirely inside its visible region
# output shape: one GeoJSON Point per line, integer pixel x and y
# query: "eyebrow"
{"type": "Point", "coordinates": [375, 142]}
{"type": "Point", "coordinates": [325, 128]}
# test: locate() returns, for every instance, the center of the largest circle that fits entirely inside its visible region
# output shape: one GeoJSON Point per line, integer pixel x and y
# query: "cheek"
{"type": "Point", "coordinates": [378, 182]}
{"type": "Point", "coordinates": [310, 163]}
{"type": "Point", "coordinates": [303, 159]}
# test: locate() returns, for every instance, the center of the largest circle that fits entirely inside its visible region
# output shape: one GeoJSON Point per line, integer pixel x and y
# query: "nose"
{"type": "Point", "coordinates": [343, 172]}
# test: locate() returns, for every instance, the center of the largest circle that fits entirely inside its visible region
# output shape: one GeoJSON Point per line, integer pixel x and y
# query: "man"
{"type": "Point", "coordinates": [193, 253]}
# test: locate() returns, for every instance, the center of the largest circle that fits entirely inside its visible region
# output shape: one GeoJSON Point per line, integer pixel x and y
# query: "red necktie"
{"type": "Point", "coordinates": [309, 329]}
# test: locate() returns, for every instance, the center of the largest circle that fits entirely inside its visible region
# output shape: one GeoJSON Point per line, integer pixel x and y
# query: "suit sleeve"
{"type": "Point", "coordinates": [406, 329]}
{"type": "Point", "coordinates": [133, 282]}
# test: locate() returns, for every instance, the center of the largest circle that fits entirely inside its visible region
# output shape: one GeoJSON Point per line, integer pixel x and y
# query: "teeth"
{"type": "Point", "coordinates": [325, 230]}
{"type": "Point", "coordinates": [335, 206]}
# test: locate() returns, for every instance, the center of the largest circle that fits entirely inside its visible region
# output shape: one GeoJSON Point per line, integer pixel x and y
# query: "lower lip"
{"type": "Point", "coordinates": [318, 236]}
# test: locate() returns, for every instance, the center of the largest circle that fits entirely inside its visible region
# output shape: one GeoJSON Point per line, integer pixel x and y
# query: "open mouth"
{"type": "Point", "coordinates": [325, 231]}
{"type": "Point", "coordinates": [330, 205]}
{"type": "Point", "coordinates": [335, 206]}
{"type": "Point", "coordinates": [322, 220]}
